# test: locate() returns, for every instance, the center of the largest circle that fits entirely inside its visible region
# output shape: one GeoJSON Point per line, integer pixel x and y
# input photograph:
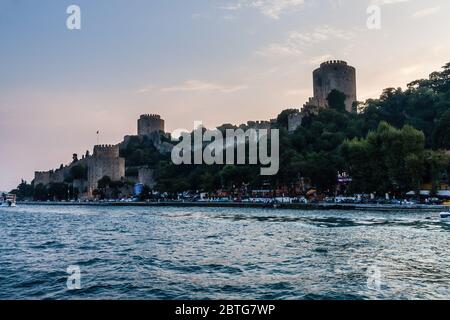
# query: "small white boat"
{"type": "Point", "coordinates": [8, 200]}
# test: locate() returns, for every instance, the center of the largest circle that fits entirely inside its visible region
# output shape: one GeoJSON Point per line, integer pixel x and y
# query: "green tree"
{"type": "Point", "coordinates": [336, 100]}
{"type": "Point", "coordinates": [282, 118]}
{"type": "Point", "coordinates": [40, 193]}
{"type": "Point", "coordinates": [78, 172]}
{"type": "Point", "coordinates": [441, 135]}
{"type": "Point", "coordinates": [58, 191]}
{"type": "Point", "coordinates": [388, 160]}
{"type": "Point", "coordinates": [104, 183]}
{"type": "Point", "coordinates": [322, 169]}
{"type": "Point", "coordinates": [437, 164]}
{"type": "Point", "coordinates": [24, 191]}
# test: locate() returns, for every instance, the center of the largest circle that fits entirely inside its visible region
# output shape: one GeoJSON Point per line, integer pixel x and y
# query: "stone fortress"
{"type": "Point", "coordinates": [331, 75]}
{"type": "Point", "coordinates": [106, 161]}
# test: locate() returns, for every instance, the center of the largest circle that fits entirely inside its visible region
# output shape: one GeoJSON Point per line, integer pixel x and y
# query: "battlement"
{"type": "Point", "coordinates": [150, 116]}
{"type": "Point", "coordinates": [106, 151]}
{"type": "Point", "coordinates": [333, 63]}
{"type": "Point", "coordinates": [105, 146]}
{"type": "Point", "coordinates": [259, 125]}
{"type": "Point", "coordinates": [259, 122]}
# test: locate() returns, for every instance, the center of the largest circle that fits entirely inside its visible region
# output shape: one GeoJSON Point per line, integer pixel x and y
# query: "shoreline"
{"type": "Point", "coordinates": [299, 206]}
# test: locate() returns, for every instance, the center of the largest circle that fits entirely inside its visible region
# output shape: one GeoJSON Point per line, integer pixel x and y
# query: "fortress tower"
{"type": "Point", "coordinates": [335, 75]}
{"type": "Point", "coordinates": [106, 151]}
{"type": "Point", "coordinates": [332, 75]}
{"type": "Point", "coordinates": [150, 123]}
{"type": "Point", "coordinates": [104, 162]}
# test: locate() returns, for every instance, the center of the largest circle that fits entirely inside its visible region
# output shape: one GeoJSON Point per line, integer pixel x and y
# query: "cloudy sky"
{"type": "Point", "coordinates": [218, 61]}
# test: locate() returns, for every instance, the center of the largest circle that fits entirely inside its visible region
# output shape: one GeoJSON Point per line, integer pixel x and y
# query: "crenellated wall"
{"type": "Point", "coordinates": [42, 177]}
{"type": "Point", "coordinates": [105, 161]}
{"type": "Point", "coordinates": [106, 151]}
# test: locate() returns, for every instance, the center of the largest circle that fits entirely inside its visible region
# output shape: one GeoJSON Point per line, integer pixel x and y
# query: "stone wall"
{"type": "Point", "coordinates": [105, 161]}
{"type": "Point", "coordinates": [294, 121]}
{"type": "Point", "coordinates": [146, 177]}
{"type": "Point", "coordinates": [42, 177]}
{"type": "Point", "coordinates": [106, 151]}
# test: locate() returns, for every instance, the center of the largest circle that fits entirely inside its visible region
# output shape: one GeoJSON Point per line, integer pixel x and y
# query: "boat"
{"type": "Point", "coordinates": [445, 216]}
{"type": "Point", "coordinates": [275, 204]}
{"type": "Point", "coordinates": [8, 200]}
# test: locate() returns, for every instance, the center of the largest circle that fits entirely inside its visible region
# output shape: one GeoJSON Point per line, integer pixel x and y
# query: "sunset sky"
{"type": "Point", "coordinates": [210, 60]}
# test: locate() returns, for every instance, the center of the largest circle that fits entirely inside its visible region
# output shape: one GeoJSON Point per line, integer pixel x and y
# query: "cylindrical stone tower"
{"type": "Point", "coordinates": [335, 75]}
{"type": "Point", "coordinates": [149, 123]}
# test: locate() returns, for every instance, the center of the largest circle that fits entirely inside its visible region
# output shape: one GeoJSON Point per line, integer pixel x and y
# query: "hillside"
{"type": "Point", "coordinates": [393, 144]}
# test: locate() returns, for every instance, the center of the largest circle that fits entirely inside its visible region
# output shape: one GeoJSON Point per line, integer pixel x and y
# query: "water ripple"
{"type": "Point", "coordinates": [222, 253]}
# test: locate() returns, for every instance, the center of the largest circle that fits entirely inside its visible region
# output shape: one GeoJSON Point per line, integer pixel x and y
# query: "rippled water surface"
{"type": "Point", "coordinates": [227, 253]}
